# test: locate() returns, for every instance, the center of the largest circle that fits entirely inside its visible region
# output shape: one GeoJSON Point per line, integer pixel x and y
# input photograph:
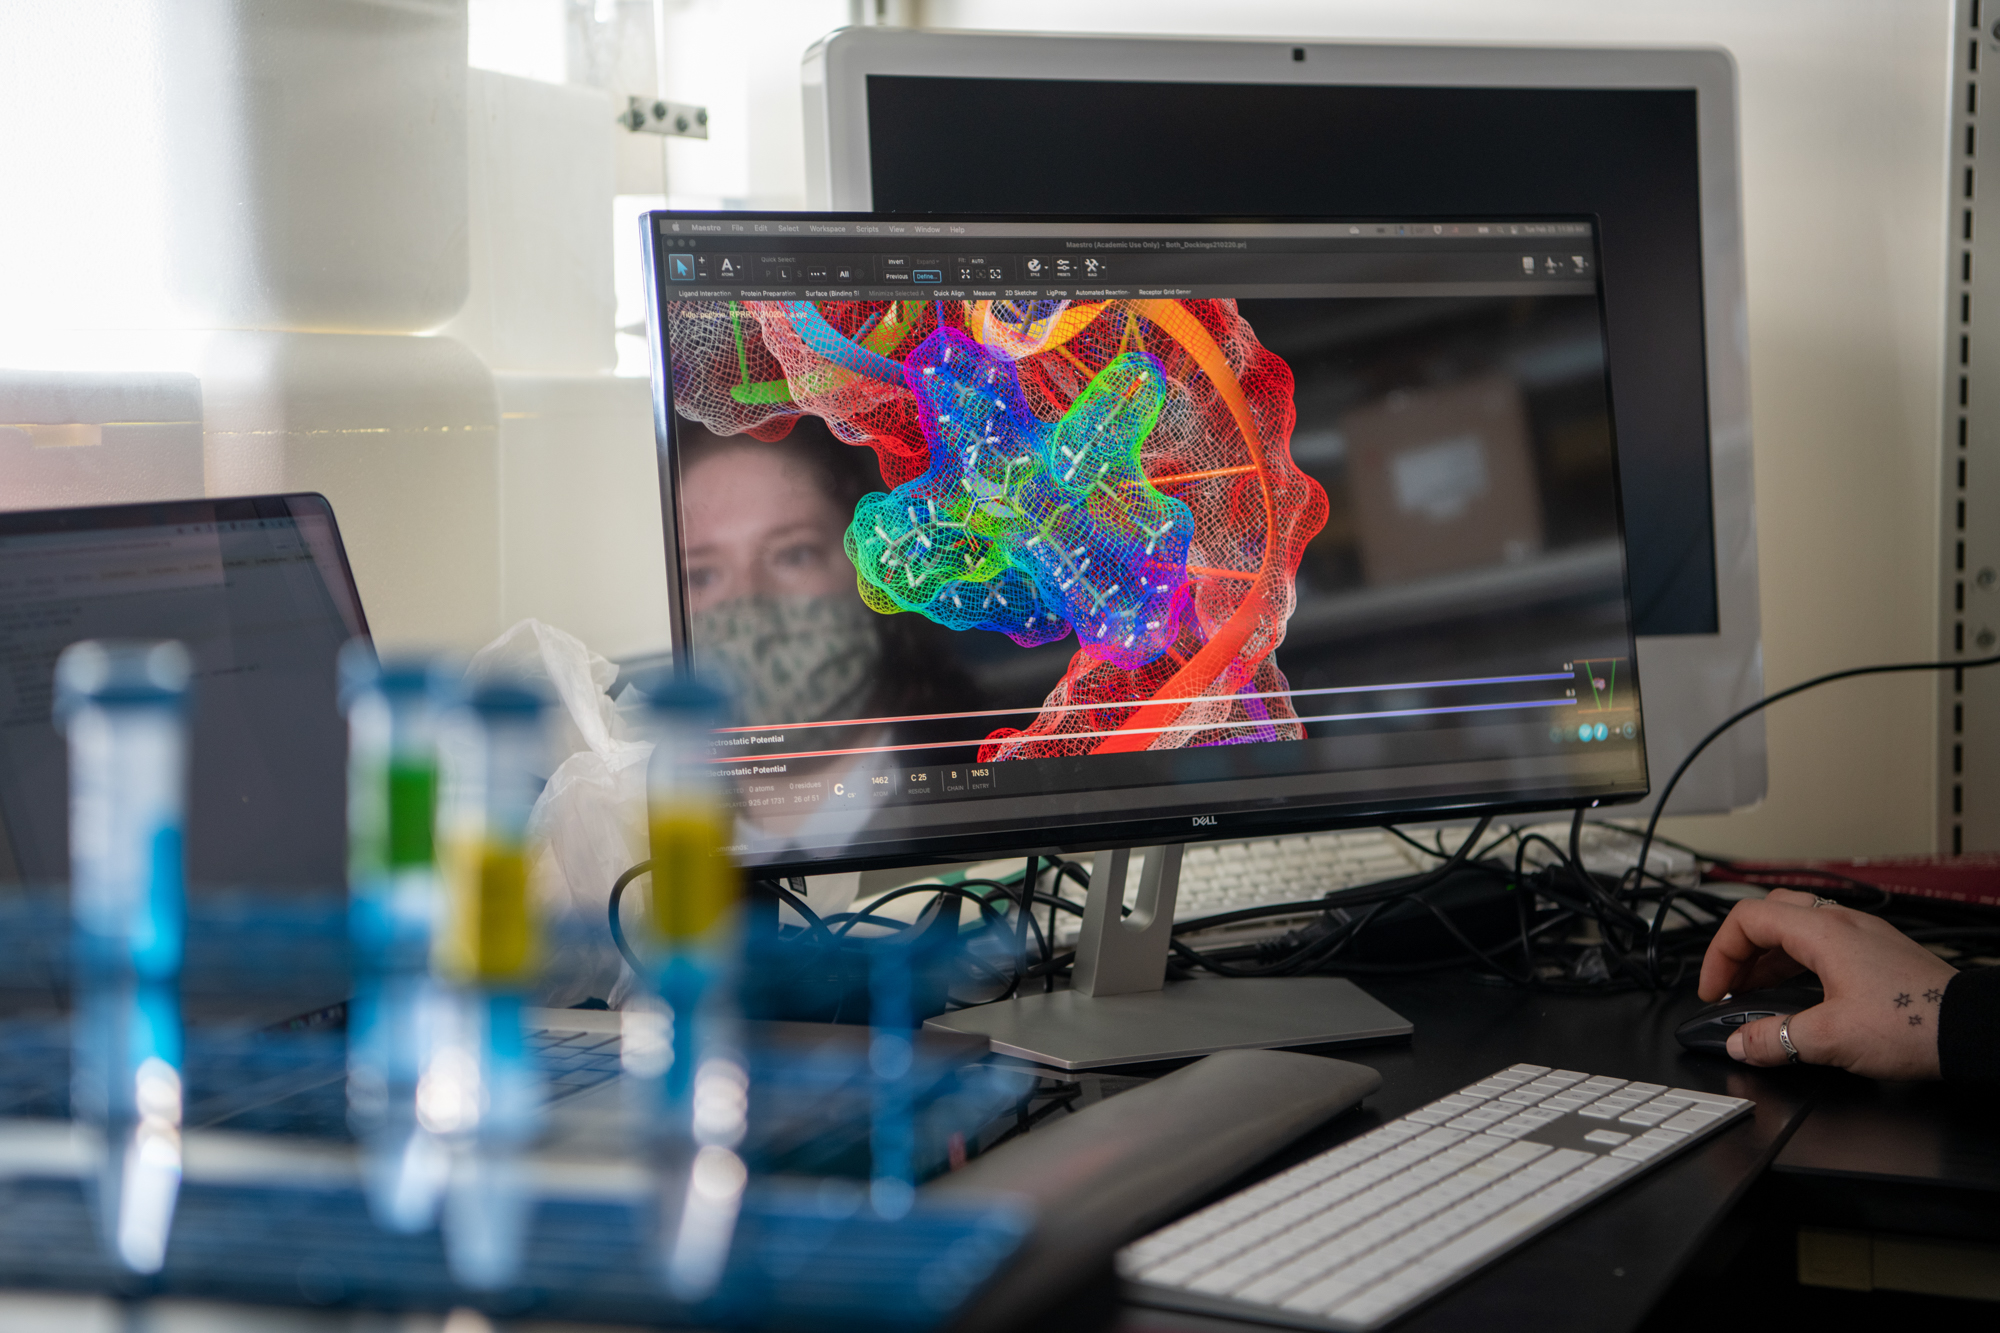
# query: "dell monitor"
{"type": "Point", "coordinates": [1054, 535]}
{"type": "Point", "coordinates": [1641, 141]}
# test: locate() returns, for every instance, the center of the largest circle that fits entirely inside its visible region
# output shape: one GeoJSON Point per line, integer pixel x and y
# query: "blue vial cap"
{"type": "Point", "coordinates": [679, 692]}
{"type": "Point", "coordinates": [121, 671]}
{"type": "Point", "coordinates": [503, 694]}
{"type": "Point", "coordinates": [361, 671]}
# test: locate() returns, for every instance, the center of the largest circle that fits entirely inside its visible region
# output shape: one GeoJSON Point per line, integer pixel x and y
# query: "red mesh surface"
{"type": "Point", "coordinates": [1221, 446]}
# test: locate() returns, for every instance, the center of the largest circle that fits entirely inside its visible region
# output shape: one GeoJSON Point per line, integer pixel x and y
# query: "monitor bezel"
{"type": "Point", "coordinates": [1696, 679]}
{"type": "Point", "coordinates": [1101, 834]}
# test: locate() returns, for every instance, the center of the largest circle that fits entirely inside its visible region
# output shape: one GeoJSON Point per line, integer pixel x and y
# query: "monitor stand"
{"type": "Point", "coordinates": [1120, 1009]}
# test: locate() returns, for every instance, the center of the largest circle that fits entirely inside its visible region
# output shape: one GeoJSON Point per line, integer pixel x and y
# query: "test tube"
{"type": "Point", "coordinates": [122, 706]}
{"type": "Point", "coordinates": [394, 901]}
{"type": "Point", "coordinates": [892, 1141]}
{"type": "Point", "coordinates": [694, 933]}
{"type": "Point", "coordinates": [481, 1090]}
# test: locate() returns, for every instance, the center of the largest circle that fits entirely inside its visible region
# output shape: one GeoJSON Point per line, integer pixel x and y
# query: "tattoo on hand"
{"type": "Point", "coordinates": [1903, 1000]}
{"type": "Point", "coordinates": [1916, 1020]}
{"type": "Point", "coordinates": [1933, 995]}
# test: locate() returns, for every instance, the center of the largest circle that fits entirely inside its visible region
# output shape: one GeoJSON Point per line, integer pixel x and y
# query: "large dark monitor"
{"type": "Point", "coordinates": [1066, 534]}
{"type": "Point", "coordinates": [1643, 140]}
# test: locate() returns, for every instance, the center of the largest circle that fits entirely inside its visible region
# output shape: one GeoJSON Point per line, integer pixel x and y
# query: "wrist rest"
{"type": "Point", "coordinates": [1115, 1170]}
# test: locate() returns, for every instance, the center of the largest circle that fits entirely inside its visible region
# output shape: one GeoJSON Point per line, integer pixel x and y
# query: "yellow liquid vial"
{"type": "Point", "coordinates": [493, 936]}
{"type": "Point", "coordinates": [695, 884]}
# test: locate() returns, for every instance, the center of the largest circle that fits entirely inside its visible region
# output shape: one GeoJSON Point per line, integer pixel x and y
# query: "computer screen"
{"type": "Point", "coordinates": [1015, 534]}
{"type": "Point", "coordinates": [1644, 140]}
{"type": "Point", "coordinates": [259, 591]}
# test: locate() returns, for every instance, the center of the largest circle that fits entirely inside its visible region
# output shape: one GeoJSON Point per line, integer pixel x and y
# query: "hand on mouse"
{"type": "Point", "coordinates": [1883, 989]}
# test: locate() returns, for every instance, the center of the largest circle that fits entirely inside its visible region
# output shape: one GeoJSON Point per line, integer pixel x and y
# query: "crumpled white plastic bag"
{"type": "Point", "coordinates": [589, 825]}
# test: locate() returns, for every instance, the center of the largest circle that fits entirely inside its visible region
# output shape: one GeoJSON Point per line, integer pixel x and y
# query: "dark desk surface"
{"type": "Point", "coordinates": [1604, 1268]}
{"type": "Point", "coordinates": [1909, 1133]}
{"type": "Point", "coordinates": [1903, 1159]}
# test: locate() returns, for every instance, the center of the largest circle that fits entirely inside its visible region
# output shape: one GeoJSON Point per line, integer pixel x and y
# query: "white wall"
{"type": "Point", "coordinates": [1844, 158]}
{"type": "Point", "coordinates": [740, 59]}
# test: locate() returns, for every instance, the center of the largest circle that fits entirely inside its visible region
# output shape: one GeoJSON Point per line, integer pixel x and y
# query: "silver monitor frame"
{"type": "Point", "coordinates": [1692, 681]}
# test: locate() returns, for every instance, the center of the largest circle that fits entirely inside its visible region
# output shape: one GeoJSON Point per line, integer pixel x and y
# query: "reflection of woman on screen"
{"type": "Point", "coordinates": [774, 613]}
{"type": "Point", "coordinates": [772, 605]}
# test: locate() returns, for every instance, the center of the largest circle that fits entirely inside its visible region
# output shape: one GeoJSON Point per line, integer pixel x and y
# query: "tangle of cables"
{"type": "Point", "coordinates": [1516, 905]}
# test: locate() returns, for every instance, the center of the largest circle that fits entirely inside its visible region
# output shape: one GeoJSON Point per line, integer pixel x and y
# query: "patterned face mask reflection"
{"type": "Point", "coordinates": [789, 660]}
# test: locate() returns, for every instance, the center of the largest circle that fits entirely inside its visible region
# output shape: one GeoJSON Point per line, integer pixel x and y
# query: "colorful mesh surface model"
{"type": "Point", "coordinates": [1120, 471]}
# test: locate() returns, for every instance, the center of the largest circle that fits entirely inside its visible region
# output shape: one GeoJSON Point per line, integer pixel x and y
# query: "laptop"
{"type": "Point", "coordinates": [260, 591]}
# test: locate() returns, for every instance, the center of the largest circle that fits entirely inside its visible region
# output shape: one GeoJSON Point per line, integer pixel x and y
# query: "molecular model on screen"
{"type": "Point", "coordinates": [1117, 470]}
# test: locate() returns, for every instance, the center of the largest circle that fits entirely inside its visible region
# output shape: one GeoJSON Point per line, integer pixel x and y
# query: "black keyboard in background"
{"type": "Point", "coordinates": [237, 1080]}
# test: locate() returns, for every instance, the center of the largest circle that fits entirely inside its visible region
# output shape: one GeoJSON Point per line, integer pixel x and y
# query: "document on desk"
{"type": "Point", "coordinates": [1365, 1232]}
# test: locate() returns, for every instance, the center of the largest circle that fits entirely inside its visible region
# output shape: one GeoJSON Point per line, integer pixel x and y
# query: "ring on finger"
{"type": "Point", "coordinates": [1785, 1039]}
{"type": "Point", "coordinates": [1823, 902]}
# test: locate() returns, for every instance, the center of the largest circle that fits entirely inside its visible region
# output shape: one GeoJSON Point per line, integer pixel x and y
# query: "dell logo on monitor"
{"type": "Point", "coordinates": [1204, 821]}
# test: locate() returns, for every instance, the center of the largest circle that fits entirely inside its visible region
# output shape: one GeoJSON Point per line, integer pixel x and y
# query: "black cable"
{"type": "Point", "coordinates": [814, 925]}
{"type": "Point", "coordinates": [1636, 834]}
{"type": "Point", "coordinates": [1322, 950]}
{"type": "Point", "coordinates": [1583, 876]}
{"type": "Point", "coordinates": [947, 890]}
{"type": "Point", "coordinates": [1304, 907]}
{"type": "Point", "coordinates": [1827, 883]}
{"type": "Point", "coordinates": [796, 901]}
{"type": "Point", "coordinates": [1024, 902]}
{"type": "Point", "coordinates": [1025, 923]}
{"type": "Point", "coordinates": [617, 926]}
{"type": "Point", "coordinates": [1395, 832]}
{"type": "Point", "coordinates": [1451, 928]}
{"type": "Point", "coordinates": [1013, 896]}
{"type": "Point", "coordinates": [1053, 901]}
{"type": "Point", "coordinates": [1660, 806]}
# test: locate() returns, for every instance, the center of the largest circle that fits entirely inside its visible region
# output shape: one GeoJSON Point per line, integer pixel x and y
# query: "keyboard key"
{"type": "Point", "coordinates": [1608, 1168]}
{"type": "Point", "coordinates": [1693, 1118]}
{"type": "Point", "coordinates": [1327, 1292]}
{"type": "Point", "coordinates": [1610, 1138]}
{"type": "Point", "coordinates": [1716, 1100]}
{"type": "Point", "coordinates": [1636, 1151]}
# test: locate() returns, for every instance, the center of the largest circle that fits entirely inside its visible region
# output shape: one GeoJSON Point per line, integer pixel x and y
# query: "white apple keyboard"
{"type": "Point", "coordinates": [1360, 1234]}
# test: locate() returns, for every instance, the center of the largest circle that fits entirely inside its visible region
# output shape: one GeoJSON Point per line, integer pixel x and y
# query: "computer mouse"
{"type": "Point", "coordinates": [1709, 1030]}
